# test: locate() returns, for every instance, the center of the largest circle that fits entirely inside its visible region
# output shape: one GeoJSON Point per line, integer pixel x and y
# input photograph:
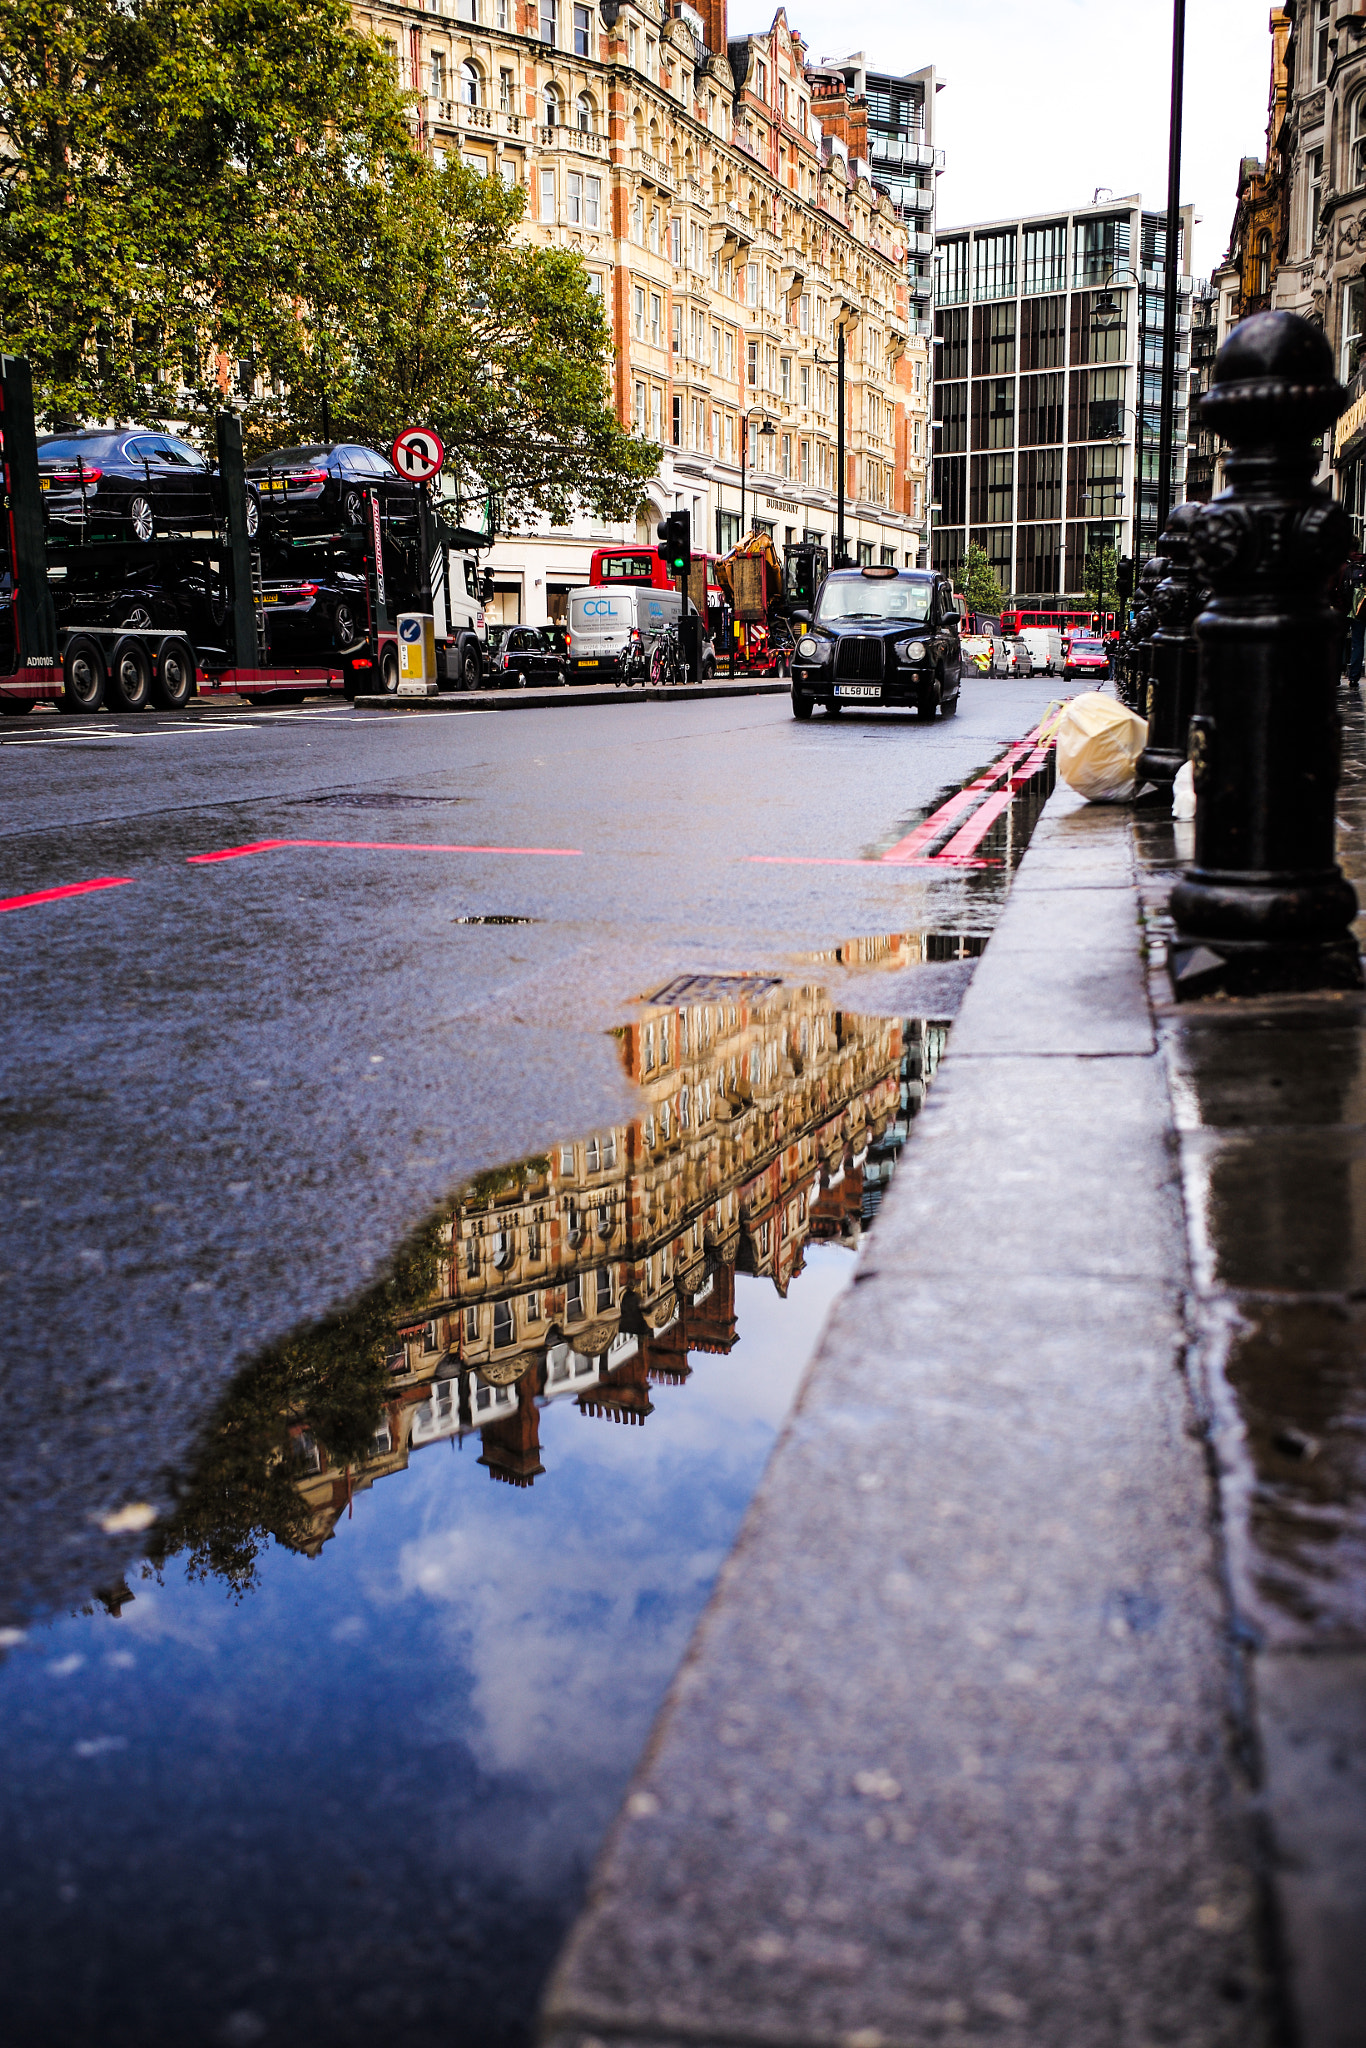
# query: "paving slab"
{"type": "Point", "coordinates": [574, 693]}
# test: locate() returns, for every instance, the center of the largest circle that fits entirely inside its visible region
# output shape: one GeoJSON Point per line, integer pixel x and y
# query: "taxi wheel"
{"type": "Point", "coordinates": [802, 707]}
{"type": "Point", "coordinates": [950, 704]}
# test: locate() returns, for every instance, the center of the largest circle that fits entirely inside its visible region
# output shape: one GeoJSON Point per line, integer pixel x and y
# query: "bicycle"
{"type": "Point", "coordinates": [666, 659]}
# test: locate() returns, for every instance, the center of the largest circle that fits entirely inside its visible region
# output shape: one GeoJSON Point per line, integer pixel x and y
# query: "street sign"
{"type": "Point", "coordinates": [418, 454]}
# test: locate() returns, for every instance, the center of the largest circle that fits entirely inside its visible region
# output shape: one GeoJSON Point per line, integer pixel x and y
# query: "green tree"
{"type": "Point", "coordinates": [977, 581]}
{"type": "Point", "coordinates": [328, 1383]}
{"type": "Point", "coordinates": [1101, 578]}
{"type": "Point", "coordinates": [191, 185]}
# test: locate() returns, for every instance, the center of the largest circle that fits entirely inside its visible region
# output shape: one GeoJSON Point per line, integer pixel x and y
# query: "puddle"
{"type": "Point", "coordinates": [333, 1761]}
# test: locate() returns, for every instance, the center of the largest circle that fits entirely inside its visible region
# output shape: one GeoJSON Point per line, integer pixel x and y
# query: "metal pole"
{"type": "Point", "coordinates": [744, 463]}
{"type": "Point", "coordinates": [1169, 303]}
{"type": "Point", "coordinates": [839, 452]}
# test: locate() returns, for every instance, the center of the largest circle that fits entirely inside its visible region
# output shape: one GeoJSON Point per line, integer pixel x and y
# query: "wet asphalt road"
{"type": "Point", "coordinates": [231, 1086]}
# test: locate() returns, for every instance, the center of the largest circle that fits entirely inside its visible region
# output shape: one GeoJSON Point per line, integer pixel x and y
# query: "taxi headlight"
{"type": "Point", "coordinates": [911, 650]}
{"type": "Point", "coordinates": [809, 649]}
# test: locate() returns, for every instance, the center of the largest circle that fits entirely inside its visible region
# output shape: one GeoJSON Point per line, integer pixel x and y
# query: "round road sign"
{"type": "Point", "coordinates": [418, 454]}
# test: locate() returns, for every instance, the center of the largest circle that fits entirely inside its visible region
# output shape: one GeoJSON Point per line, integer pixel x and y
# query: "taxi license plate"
{"type": "Point", "coordinates": [858, 690]}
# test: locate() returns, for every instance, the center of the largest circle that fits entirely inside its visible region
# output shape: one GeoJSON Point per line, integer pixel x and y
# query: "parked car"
{"type": "Point", "coordinates": [130, 484]}
{"type": "Point", "coordinates": [880, 635]}
{"type": "Point", "coordinates": [1087, 655]}
{"type": "Point", "coordinates": [1019, 660]}
{"type": "Point", "coordinates": [528, 655]}
{"type": "Point", "coordinates": [319, 488]}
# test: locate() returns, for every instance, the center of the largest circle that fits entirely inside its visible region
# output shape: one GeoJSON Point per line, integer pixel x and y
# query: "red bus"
{"type": "Point", "coordinates": [646, 565]}
{"type": "Point", "coordinates": [1106, 624]}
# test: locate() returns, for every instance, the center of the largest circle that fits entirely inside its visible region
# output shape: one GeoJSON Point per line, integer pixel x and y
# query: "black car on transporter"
{"type": "Point", "coordinates": [321, 487]}
{"type": "Point", "coordinates": [883, 636]}
{"type": "Point", "coordinates": [130, 484]}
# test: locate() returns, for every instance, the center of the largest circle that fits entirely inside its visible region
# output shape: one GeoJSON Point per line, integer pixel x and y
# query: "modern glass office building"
{"type": "Point", "coordinates": [1048, 374]}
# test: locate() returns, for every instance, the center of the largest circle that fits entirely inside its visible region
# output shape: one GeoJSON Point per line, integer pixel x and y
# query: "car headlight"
{"type": "Point", "coordinates": [811, 649]}
{"type": "Point", "coordinates": [911, 650]}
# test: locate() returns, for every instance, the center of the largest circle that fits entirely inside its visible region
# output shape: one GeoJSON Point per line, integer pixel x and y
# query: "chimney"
{"type": "Point", "coordinates": [713, 13]}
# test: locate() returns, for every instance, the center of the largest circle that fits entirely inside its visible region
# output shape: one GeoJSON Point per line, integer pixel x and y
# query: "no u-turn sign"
{"type": "Point", "coordinates": [418, 454]}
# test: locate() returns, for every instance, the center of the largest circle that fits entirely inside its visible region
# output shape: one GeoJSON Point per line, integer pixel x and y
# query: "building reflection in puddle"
{"type": "Point", "coordinates": [768, 1120]}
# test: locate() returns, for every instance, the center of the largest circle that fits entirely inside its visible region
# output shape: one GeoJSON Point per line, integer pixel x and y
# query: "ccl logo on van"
{"type": "Point", "coordinates": [599, 608]}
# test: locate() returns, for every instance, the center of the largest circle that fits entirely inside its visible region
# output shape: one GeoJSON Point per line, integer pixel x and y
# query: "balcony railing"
{"type": "Point", "coordinates": [652, 170]}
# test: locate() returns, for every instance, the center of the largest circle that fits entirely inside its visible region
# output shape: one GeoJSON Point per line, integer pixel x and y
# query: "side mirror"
{"type": "Point", "coordinates": [486, 586]}
{"type": "Point", "coordinates": [801, 618]}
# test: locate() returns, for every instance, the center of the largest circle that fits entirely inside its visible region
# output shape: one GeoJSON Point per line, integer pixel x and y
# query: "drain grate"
{"type": "Point", "coordinates": [376, 800]}
{"type": "Point", "coordinates": [703, 988]}
{"type": "Point", "coordinates": [495, 920]}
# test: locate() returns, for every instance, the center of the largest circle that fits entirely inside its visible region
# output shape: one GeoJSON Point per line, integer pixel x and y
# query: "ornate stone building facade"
{"type": "Point", "coordinates": [731, 233]}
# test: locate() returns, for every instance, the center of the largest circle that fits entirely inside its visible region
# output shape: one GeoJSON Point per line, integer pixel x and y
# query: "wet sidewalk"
{"type": "Point", "coordinates": [1031, 1706]}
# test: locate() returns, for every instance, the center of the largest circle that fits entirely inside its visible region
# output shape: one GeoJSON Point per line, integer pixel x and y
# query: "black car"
{"type": "Point", "coordinates": [321, 488]}
{"type": "Point", "coordinates": [191, 599]}
{"type": "Point", "coordinates": [318, 612]}
{"type": "Point", "coordinates": [880, 636]}
{"type": "Point", "coordinates": [130, 485]}
{"type": "Point", "coordinates": [527, 654]}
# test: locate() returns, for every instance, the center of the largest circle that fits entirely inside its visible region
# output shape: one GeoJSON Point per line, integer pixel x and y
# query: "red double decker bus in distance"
{"type": "Point", "coordinates": [646, 565]}
{"type": "Point", "coordinates": [1105, 625]}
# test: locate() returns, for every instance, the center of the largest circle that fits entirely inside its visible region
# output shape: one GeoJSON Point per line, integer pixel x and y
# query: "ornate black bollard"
{"type": "Point", "coordinates": [1144, 626]}
{"type": "Point", "coordinates": [1172, 657]}
{"type": "Point", "coordinates": [1266, 906]}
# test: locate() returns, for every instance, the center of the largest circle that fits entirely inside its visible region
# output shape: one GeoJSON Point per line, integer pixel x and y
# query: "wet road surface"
{"type": "Point", "coordinates": [337, 1733]}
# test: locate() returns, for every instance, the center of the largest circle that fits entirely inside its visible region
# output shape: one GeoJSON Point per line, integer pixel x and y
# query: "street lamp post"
{"type": "Point", "coordinates": [1169, 300]}
{"type": "Point", "coordinates": [838, 558]}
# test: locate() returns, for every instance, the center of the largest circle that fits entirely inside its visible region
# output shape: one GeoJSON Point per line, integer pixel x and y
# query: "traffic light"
{"type": "Point", "coordinates": [1124, 577]}
{"type": "Point", "coordinates": [676, 537]}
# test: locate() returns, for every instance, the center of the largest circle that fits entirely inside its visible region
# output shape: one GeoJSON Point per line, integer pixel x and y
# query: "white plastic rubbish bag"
{"type": "Point", "coordinates": [1183, 793]}
{"type": "Point", "coordinates": [1098, 744]}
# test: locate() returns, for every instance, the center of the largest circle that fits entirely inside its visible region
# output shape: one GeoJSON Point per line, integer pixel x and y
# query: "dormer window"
{"type": "Point", "coordinates": [761, 78]}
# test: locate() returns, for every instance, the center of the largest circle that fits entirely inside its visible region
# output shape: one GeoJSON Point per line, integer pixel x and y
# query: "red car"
{"type": "Point", "coordinates": [1087, 655]}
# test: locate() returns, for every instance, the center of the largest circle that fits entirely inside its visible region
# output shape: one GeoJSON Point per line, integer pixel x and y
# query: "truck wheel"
{"type": "Point", "coordinates": [471, 668]}
{"type": "Point", "coordinates": [388, 671]}
{"type": "Point", "coordinates": [83, 674]}
{"type": "Point", "coordinates": [130, 677]}
{"type": "Point", "coordinates": [173, 685]}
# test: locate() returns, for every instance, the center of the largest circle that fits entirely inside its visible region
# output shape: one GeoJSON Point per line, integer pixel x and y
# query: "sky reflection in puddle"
{"type": "Point", "coordinates": [334, 1765]}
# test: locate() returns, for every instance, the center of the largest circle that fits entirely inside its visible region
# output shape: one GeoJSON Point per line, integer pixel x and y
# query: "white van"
{"type": "Point", "coordinates": [605, 621]}
{"type": "Point", "coordinates": [1046, 649]}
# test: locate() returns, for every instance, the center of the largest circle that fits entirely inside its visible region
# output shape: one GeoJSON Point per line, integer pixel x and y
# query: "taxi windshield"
{"type": "Point", "coordinates": [867, 597]}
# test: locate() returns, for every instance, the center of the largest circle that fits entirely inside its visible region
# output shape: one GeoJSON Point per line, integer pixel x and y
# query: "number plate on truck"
{"type": "Point", "coordinates": [858, 690]}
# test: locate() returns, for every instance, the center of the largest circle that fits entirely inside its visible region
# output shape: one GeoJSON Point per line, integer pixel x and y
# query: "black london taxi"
{"type": "Point", "coordinates": [880, 635]}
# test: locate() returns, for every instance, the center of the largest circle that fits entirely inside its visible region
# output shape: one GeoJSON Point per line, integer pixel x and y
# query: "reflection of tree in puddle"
{"type": "Point", "coordinates": [767, 1118]}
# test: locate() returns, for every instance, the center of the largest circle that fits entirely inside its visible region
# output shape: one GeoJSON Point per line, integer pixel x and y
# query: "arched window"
{"type": "Point", "coordinates": [470, 84]}
{"type": "Point", "coordinates": [1356, 161]}
{"type": "Point", "coordinates": [1261, 267]}
{"type": "Point", "coordinates": [551, 101]}
{"type": "Point", "coordinates": [585, 111]}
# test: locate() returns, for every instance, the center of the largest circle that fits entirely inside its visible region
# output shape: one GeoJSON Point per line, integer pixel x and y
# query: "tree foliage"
{"type": "Point", "coordinates": [326, 1383]}
{"type": "Point", "coordinates": [1101, 578]}
{"type": "Point", "coordinates": [977, 581]}
{"type": "Point", "coordinates": [187, 186]}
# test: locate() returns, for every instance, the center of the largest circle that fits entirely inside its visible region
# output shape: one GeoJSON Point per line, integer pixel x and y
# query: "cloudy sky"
{"type": "Point", "coordinates": [1044, 102]}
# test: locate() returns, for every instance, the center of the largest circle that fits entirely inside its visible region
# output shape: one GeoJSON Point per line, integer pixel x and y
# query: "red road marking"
{"type": "Point", "coordinates": [377, 846]}
{"type": "Point", "coordinates": [1017, 764]}
{"type": "Point", "coordinates": [68, 889]}
{"type": "Point", "coordinates": [969, 838]}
